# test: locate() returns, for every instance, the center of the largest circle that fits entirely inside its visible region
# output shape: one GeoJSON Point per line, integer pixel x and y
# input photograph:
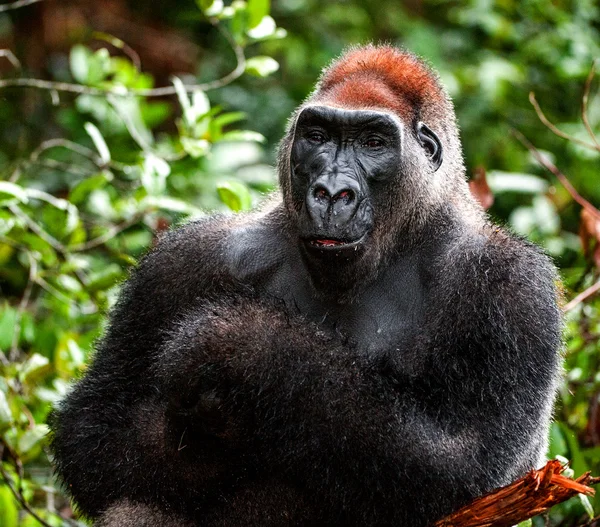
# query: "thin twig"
{"type": "Point", "coordinates": [561, 177]}
{"type": "Point", "coordinates": [137, 137]}
{"type": "Point", "coordinates": [52, 164]}
{"type": "Point", "coordinates": [11, 57]}
{"type": "Point", "coordinates": [584, 104]}
{"type": "Point", "coordinates": [14, 348]}
{"type": "Point", "coordinates": [584, 295]}
{"type": "Point", "coordinates": [131, 53]}
{"type": "Point", "coordinates": [69, 145]}
{"type": "Point", "coordinates": [16, 5]}
{"type": "Point", "coordinates": [108, 235]}
{"type": "Point", "coordinates": [37, 229]}
{"type": "Point", "coordinates": [555, 130]}
{"type": "Point", "coordinates": [15, 491]}
{"type": "Point", "coordinates": [52, 290]}
{"type": "Point", "coordinates": [120, 91]}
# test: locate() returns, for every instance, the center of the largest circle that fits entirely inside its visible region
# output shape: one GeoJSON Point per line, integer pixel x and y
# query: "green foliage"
{"type": "Point", "coordinates": [88, 183]}
{"type": "Point", "coordinates": [76, 213]}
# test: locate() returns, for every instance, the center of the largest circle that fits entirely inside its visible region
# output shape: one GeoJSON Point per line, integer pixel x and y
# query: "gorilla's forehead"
{"type": "Point", "coordinates": [344, 118]}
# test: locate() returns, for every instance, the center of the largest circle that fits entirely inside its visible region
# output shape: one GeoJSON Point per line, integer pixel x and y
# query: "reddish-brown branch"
{"type": "Point", "coordinates": [529, 496]}
{"type": "Point", "coordinates": [554, 129]}
{"type": "Point", "coordinates": [548, 165]}
{"type": "Point", "coordinates": [584, 104]}
{"type": "Point", "coordinates": [590, 291]}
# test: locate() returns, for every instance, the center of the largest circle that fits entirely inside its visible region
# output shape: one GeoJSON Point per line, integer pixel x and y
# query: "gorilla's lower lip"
{"type": "Point", "coordinates": [334, 244]}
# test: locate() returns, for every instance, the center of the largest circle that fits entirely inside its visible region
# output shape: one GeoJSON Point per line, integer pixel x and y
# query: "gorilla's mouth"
{"type": "Point", "coordinates": [334, 244]}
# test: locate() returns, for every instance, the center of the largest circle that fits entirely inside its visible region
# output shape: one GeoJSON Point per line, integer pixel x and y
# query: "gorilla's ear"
{"type": "Point", "coordinates": [431, 143]}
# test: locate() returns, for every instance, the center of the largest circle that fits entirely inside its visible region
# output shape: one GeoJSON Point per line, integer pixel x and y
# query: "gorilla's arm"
{"type": "Point", "coordinates": [112, 436]}
{"type": "Point", "coordinates": [454, 416]}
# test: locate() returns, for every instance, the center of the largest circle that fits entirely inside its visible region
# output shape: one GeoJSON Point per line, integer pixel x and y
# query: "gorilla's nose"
{"type": "Point", "coordinates": [333, 200]}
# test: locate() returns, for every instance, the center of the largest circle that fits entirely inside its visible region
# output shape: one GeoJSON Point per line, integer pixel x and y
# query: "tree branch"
{"type": "Point", "coordinates": [120, 91]}
{"type": "Point", "coordinates": [16, 5]}
{"type": "Point", "coordinates": [561, 177]}
{"type": "Point", "coordinates": [584, 104]}
{"type": "Point", "coordinates": [16, 492]}
{"type": "Point", "coordinates": [555, 130]}
{"type": "Point", "coordinates": [529, 496]}
{"type": "Point", "coordinates": [590, 291]}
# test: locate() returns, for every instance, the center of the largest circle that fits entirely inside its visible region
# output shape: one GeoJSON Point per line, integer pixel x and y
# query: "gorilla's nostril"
{"type": "Point", "coordinates": [346, 195]}
{"type": "Point", "coordinates": [321, 193]}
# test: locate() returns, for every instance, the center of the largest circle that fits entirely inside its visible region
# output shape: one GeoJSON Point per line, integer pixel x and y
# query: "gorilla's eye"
{"type": "Point", "coordinates": [315, 136]}
{"type": "Point", "coordinates": [373, 142]}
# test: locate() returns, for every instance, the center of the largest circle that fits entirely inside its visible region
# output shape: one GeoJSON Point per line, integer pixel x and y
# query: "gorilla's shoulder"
{"type": "Point", "coordinates": [215, 250]}
{"type": "Point", "coordinates": [495, 259]}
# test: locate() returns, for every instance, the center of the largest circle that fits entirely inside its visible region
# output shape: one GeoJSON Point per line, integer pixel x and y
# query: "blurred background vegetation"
{"type": "Point", "coordinates": [91, 173]}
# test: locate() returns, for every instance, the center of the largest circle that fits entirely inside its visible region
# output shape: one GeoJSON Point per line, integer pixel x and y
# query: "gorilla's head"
{"type": "Point", "coordinates": [367, 162]}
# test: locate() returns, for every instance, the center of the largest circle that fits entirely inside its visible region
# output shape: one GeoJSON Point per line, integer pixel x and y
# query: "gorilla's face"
{"type": "Point", "coordinates": [342, 161]}
{"type": "Point", "coordinates": [348, 179]}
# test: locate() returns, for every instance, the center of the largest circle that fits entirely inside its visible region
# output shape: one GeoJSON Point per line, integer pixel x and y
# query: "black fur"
{"type": "Point", "coordinates": [233, 388]}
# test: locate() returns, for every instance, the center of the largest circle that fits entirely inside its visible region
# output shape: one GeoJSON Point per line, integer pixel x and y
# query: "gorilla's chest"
{"type": "Point", "coordinates": [385, 316]}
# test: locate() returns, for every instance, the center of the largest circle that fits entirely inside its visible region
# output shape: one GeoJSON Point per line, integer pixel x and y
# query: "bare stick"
{"type": "Point", "coordinates": [561, 177]}
{"type": "Point", "coordinates": [11, 57]}
{"type": "Point", "coordinates": [37, 229]}
{"type": "Point", "coordinates": [16, 492]}
{"type": "Point", "coordinates": [557, 131]}
{"type": "Point", "coordinates": [590, 291]}
{"type": "Point", "coordinates": [108, 235]}
{"type": "Point", "coordinates": [80, 89]}
{"type": "Point", "coordinates": [529, 496]}
{"type": "Point", "coordinates": [16, 5]}
{"type": "Point", "coordinates": [584, 104]}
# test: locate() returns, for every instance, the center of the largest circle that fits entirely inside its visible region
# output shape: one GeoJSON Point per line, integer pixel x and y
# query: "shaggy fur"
{"type": "Point", "coordinates": [232, 389]}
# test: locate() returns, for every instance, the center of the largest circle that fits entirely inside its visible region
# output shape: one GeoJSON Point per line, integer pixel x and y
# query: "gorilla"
{"type": "Point", "coordinates": [367, 350]}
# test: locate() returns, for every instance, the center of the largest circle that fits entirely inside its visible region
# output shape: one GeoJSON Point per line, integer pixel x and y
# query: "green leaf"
{"type": "Point", "coordinates": [87, 67]}
{"type": "Point", "coordinates": [228, 118]}
{"type": "Point", "coordinates": [266, 28]}
{"type": "Point", "coordinates": [558, 445]}
{"type": "Point", "coordinates": [9, 512]}
{"type": "Point", "coordinates": [526, 523]}
{"type": "Point", "coordinates": [8, 319]}
{"type": "Point", "coordinates": [195, 147]}
{"type": "Point", "coordinates": [261, 66]}
{"type": "Point", "coordinates": [200, 105]}
{"type": "Point", "coordinates": [235, 195]}
{"type": "Point", "coordinates": [243, 135]}
{"type": "Point", "coordinates": [71, 219]}
{"type": "Point", "coordinates": [6, 416]}
{"type": "Point", "coordinates": [154, 174]}
{"type": "Point", "coordinates": [106, 278]}
{"type": "Point", "coordinates": [68, 355]}
{"type": "Point", "coordinates": [184, 101]}
{"type": "Point", "coordinates": [515, 182]}
{"type": "Point", "coordinates": [586, 505]}
{"type": "Point", "coordinates": [78, 61]}
{"type": "Point", "coordinates": [32, 438]}
{"type": "Point", "coordinates": [257, 10]}
{"type": "Point", "coordinates": [578, 462]}
{"type": "Point", "coordinates": [210, 7]}
{"type": "Point", "coordinates": [83, 189]}
{"type": "Point", "coordinates": [34, 369]}
{"type": "Point", "coordinates": [99, 142]}
{"type": "Point", "coordinates": [170, 204]}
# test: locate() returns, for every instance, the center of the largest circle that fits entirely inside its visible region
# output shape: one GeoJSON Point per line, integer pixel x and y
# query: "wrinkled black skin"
{"type": "Point", "coordinates": [232, 388]}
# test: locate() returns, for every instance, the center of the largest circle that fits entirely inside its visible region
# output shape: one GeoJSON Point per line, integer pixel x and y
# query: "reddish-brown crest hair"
{"type": "Point", "coordinates": [380, 77]}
